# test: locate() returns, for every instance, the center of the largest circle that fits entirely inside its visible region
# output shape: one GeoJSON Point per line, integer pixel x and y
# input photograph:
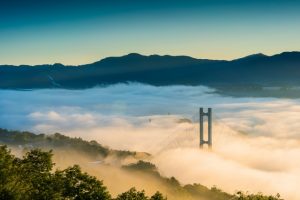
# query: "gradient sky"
{"type": "Point", "coordinates": [84, 31]}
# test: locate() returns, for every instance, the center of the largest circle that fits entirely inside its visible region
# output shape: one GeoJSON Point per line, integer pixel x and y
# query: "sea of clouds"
{"type": "Point", "coordinates": [256, 141]}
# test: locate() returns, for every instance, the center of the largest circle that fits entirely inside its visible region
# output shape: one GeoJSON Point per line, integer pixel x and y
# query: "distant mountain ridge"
{"type": "Point", "coordinates": [258, 69]}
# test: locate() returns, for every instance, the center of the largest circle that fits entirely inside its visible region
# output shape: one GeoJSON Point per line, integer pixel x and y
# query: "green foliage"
{"type": "Point", "coordinates": [190, 191]}
{"type": "Point", "coordinates": [259, 196]}
{"type": "Point", "coordinates": [197, 190]}
{"type": "Point", "coordinates": [141, 165]}
{"type": "Point", "coordinates": [133, 194]}
{"type": "Point", "coordinates": [35, 177]}
{"type": "Point", "coordinates": [7, 175]}
{"type": "Point", "coordinates": [173, 181]}
{"type": "Point", "coordinates": [58, 141]}
{"type": "Point", "coordinates": [158, 196]}
{"type": "Point", "coordinates": [80, 186]}
{"type": "Point", "coordinates": [32, 178]}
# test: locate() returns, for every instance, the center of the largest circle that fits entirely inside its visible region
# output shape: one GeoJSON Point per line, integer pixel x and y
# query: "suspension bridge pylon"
{"type": "Point", "coordinates": [202, 114]}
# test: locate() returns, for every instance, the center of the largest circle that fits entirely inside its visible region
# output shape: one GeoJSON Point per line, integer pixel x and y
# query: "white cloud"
{"type": "Point", "coordinates": [256, 142]}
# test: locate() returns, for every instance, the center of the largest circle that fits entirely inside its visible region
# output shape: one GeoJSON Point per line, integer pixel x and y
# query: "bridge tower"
{"type": "Point", "coordinates": [209, 131]}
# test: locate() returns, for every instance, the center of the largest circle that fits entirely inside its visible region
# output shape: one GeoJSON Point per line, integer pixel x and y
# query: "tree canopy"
{"type": "Point", "coordinates": [32, 177]}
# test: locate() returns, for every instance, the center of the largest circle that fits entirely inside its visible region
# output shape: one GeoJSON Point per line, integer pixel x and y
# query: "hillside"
{"type": "Point", "coordinates": [142, 169]}
{"type": "Point", "coordinates": [252, 73]}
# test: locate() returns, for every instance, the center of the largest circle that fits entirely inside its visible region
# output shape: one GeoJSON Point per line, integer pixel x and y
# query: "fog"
{"type": "Point", "coordinates": [256, 141]}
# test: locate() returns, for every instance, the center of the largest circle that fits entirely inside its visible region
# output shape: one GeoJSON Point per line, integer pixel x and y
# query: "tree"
{"type": "Point", "coordinates": [31, 177]}
{"type": "Point", "coordinates": [80, 186]}
{"type": "Point", "coordinates": [7, 175]}
{"type": "Point", "coordinates": [132, 194]}
{"type": "Point", "coordinates": [35, 176]}
{"type": "Point", "coordinates": [158, 196]}
{"type": "Point", "coordinates": [259, 196]}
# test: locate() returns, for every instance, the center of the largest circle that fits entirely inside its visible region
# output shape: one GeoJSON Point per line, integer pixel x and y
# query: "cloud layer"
{"type": "Point", "coordinates": [256, 141]}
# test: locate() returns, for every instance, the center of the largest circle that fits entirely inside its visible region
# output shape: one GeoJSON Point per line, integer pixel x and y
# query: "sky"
{"type": "Point", "coordinates": [83, 31]}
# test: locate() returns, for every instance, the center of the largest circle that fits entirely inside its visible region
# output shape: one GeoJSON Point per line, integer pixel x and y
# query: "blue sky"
{"type": "Point", "coordinates": [78, 31]}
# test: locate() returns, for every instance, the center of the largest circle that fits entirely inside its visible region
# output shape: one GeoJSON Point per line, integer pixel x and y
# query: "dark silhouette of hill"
{"type": "Point", "coordinates": [254, 70]}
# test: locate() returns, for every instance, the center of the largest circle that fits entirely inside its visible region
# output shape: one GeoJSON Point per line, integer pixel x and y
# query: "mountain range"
{"type": "Point", "coordinates": [258, 70]}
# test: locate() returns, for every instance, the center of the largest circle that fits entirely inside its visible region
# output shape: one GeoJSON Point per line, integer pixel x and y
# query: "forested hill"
{"type": "Point", "coordinates": [26, 140]}
{"type": "Point", "coordinates": [254, 70]}
{"type": "Point", "coordinates": [32, 176]}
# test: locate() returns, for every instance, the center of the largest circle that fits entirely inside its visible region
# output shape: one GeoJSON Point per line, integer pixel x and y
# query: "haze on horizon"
{"type": "Point", "coordinates": [79, 32]}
